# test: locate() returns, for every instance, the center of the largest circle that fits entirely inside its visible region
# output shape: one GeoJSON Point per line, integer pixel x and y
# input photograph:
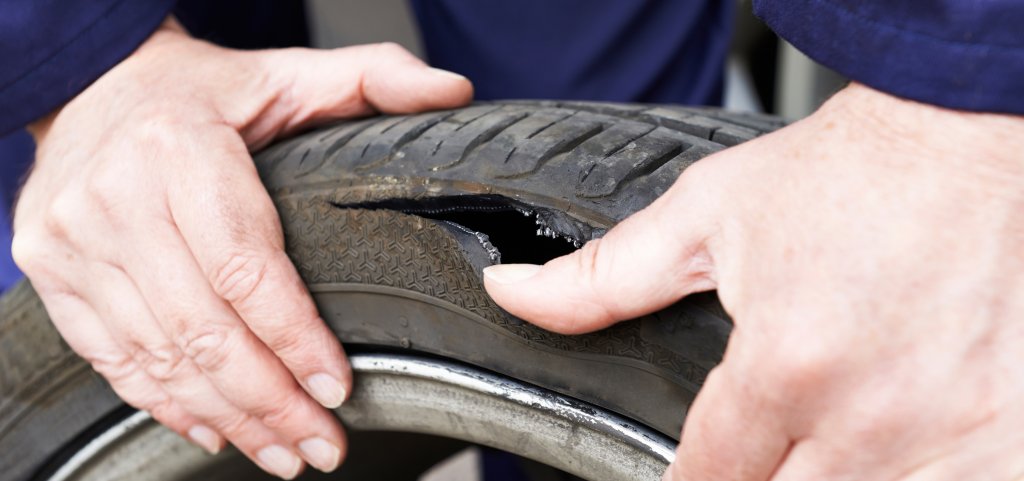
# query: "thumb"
{"type": "Point", "coordinates": [397, 83]}
{"type": "Point", "coordinates": [646, 263]}
{"type": "Point", "coordinates": [311, 86]}
{"type": "Point", "coordinates": [352, 81]}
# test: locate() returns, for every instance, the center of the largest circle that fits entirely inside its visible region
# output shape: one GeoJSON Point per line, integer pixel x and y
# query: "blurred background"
{"type": "Point", "coordinates": [763, 73]}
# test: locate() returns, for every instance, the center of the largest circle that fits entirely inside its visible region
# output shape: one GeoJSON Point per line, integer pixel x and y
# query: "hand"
{"type": "Point", "coordinates": [159, 255]}
{"type": "Point", "coordinates": [872, 258]}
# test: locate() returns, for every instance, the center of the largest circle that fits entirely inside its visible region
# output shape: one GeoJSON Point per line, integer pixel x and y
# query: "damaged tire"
{"type": "Point", "coordinates": [390, 220]}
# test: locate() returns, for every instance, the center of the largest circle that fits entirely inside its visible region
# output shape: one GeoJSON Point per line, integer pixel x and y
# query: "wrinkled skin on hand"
{"type": "Point", "coordinates": [872, 258]}
{"type": "Point", "coordinates": [159, 255]}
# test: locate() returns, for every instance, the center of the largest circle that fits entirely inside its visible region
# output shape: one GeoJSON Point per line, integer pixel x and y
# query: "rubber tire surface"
{"type": "Point", "coordinates": [356, 201]}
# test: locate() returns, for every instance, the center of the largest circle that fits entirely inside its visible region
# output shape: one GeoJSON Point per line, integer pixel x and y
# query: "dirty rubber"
{"type": "Point", "coordinates": [390, 220]}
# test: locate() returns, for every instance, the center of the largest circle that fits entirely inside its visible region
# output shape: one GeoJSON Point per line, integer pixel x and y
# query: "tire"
{"type": "Point", "coordinates": [390, 220]}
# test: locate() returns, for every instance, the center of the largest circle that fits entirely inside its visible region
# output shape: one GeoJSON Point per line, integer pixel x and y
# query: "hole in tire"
{"type": "Point", "coordinates": [521, 233]}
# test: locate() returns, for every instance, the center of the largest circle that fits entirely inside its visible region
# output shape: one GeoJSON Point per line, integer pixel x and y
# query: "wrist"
{"type": "Point", "coordinates": [168, 31]}
{"type": "Point", "coordinates": [970, 141]}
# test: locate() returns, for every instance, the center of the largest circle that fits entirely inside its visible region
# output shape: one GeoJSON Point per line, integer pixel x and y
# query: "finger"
{"type": "Point", "coordinates": [729, 434]}
{"type": "Point", "coordinates": [82, 329]}
{"type": "Point", "coordinates": [233, 230]}
{"type": "Point", "coordinates": [311, 86]}
{"type": "Point", "coordinates": [645, 263]}
{"type": "Point", "coordinates": [80, 326]}
{"type": "Point", "coordinates": [397, 82]}
{"type": "Point", "coordinates": [239, 366]}
{"type": "Point", "coordinates": [134, 328]}
{"type": "Point", "coordinates": [342, 83]}
{"type": "Point", "coordinates": [812, 460]}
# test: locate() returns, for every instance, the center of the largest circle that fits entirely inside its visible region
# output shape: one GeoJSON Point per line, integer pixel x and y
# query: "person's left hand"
{"type": "Point", "coordinates": [160, 257]}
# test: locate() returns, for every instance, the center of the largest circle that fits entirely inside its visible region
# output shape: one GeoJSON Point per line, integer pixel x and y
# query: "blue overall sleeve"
{"type": "Point", "coordinates": [51, 50]}
{"type": "Point", "coordinates": [959, 54]}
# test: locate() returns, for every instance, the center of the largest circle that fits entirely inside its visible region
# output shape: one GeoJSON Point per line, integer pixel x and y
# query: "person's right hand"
{"type": "Point", "coordinates": [159, 255]}
{"type": "Point", "coordinates": [872, 259]}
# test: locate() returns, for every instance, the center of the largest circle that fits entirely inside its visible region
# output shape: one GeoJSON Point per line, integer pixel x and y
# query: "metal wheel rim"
{"type": "Point", "coordinates": [423, 395]}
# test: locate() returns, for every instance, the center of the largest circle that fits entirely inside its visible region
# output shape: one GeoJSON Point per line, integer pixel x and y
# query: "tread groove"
{"type": "Point", "coordinates": [344, 139]}
{"type": "Point", "coordinates": [631, 140]}
{"type": "Point", "coordinates": [510, 153]}
{"type": "Point", "coordinates": [302, 161]}
{"type": "Point", "coordinates": [549, 125]}
{"type": "Point", "coordinates": [282, 155]}
{"type": "Point", "coordinates": [586, 173]}
{"type": "Point", "coordinates": [561, 148]}
{"type": "Point", "coordinates": [396, 124]}
{"type": "Point", "coordinates": [437, 147]}
{"type": "Point", "coordinates": [487, 135]}
{"type": "Point", "coordinates": [474, 119]}
{"type": "Point", "coordinates": [409, 136]}
{"type": "Point", "coordinates": [658, 162]}
{"type": "Point", "coordinates": [724, 118]}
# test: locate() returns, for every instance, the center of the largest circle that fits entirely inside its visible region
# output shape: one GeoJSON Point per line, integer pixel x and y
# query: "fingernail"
{"type": "Point", "coordinates": [205, 437]}
{"type": "Point", "coordinates": [326, 390]}
{"type": "Point", "coordinates": [321, 454]}
{"type": "Point", "coordinates": [448, 73]}
{"type": "Point", "coordinates": [511, 273]}
{"type": "Point", "coordinates": [280, 461]}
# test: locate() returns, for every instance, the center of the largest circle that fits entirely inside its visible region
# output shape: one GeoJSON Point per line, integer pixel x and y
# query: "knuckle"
{"type": "Point", "coordinates": [158, 129]}
{"type": "Point", "coordinates": [697, 185]}
{"type": "Point", "coordinates": [588, 259]}
{"type": "Point", "coordinates": [142, 396]}
{"type": "Point", "coordinates": [210, 346]}
{"type": "Point", "coordinates": [806, 368]}
{"type": "Point", "coordinates": [279, 411]}
{"type": "Point", "coordinates": [28, 250]}
{"type": "Point", "coordinates": [116, 367]}
{"type": "Point", "coordinates": [302, 335]}
{"type": "Point", "coordinates": [134, 399]}
{"type": "Point", "coordinates": [162, 362]}
{"type": "Point", "coordinates": [288, 340]}
{"type": "Point", "coordinates": [164, 411]}
{"type": "Point", "coordinates": [306, 350]}
{"type": "Point", "coordinates": [593, 265]}
{"type": "Point", "coordinates": [233, 425]}
{"type": "Point", "coordinates": [104, 191]}
{"type": "Point", "coordinates": [390, 49]}
{"type": "Point", "coordinates": [238, 276]}
{"type": "Point", "coordinates": [65, 211]}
